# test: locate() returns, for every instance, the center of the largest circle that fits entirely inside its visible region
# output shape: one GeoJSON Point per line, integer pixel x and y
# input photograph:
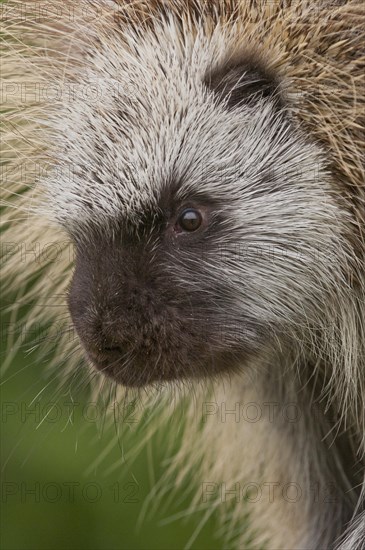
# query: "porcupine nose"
{"type": "Point", "coordinates": [123, 326]}
{"type": "Point", "coordinates": [118, 303]}
{"type": "Point", "coordinates": [113, 316]}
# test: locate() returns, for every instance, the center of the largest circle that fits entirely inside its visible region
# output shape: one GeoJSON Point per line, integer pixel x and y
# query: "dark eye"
{"type": "Point", "coordinates": [190, 220]}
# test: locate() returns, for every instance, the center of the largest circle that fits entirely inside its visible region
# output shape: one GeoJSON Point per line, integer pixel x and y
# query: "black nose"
{"type": "Point", "coordinates": [97, 340]}
{"type": "Point", "coordinates": [111, 314]}
{"type": "Point", "coordinates": [126, 316]}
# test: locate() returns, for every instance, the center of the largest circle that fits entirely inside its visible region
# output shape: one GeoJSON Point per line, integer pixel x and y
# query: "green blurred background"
{"type": "Point", "coordinates": [67, 481]}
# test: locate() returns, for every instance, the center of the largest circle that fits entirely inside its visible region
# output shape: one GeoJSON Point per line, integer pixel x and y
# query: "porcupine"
{"type": "Point", "coordinates": [216, 205]}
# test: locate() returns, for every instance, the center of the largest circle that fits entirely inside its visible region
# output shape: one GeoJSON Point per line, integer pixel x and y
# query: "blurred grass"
{"type": "Point", "coordinates": [48, 487]}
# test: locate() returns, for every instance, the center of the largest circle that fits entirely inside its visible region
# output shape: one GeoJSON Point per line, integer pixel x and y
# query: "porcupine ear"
{"type": "Point", "coordinates": [239, 82]}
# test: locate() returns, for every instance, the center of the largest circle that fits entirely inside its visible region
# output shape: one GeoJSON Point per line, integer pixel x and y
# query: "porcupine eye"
{"type": "Point", "coordinates": [190, 220]}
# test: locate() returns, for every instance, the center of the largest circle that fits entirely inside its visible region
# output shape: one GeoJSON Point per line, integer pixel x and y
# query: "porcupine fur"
{"type": "Point", "coordinates": [253, 112]}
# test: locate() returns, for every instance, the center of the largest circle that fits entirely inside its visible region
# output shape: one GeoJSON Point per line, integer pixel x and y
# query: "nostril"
{"type": "Point", "coordinates": [113, 348]}
{"type": "Point", "coordinates": [109, 341]}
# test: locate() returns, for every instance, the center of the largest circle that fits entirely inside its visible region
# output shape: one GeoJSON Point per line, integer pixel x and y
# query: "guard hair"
{"type": "Point", "coordinates": [119, 116]}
